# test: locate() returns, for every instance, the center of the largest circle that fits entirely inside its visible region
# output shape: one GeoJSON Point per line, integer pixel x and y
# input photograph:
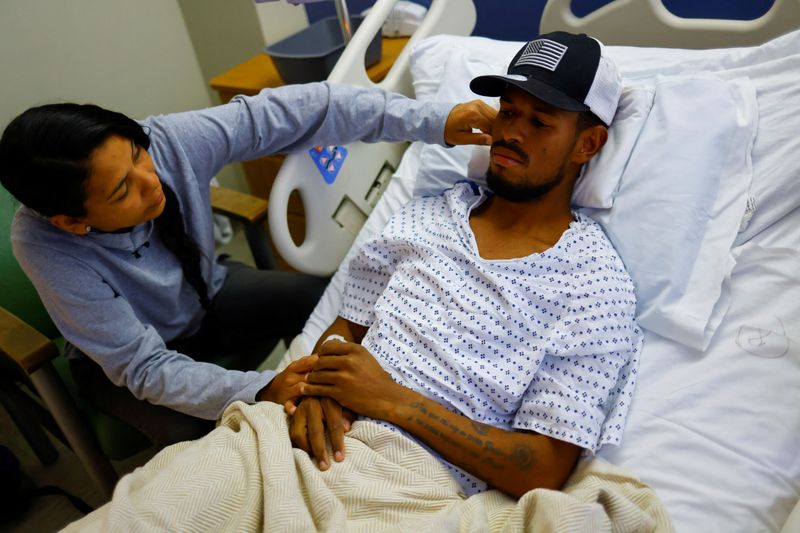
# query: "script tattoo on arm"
{"type": "Point", "coordinates": [483, 449]}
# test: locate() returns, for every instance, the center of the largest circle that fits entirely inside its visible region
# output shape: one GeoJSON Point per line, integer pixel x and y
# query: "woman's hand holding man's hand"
{"type": "Point", "coordinates": [285, 388]}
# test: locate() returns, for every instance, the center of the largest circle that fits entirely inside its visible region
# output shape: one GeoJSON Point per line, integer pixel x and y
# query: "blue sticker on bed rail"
{"type": "Point", "coordinates": [329, 160]}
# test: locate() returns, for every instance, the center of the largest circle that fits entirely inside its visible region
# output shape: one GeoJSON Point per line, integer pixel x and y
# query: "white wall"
{"type": "Point", "coordinates": [131, 56]}
{"type": "Point", "coordinates": [224, 33]}
{"type": "Point", "coordinates": [280, 19]}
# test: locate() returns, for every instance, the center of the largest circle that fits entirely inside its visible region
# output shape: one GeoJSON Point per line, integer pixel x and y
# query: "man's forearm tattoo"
{"type": "Point", "coordinates": [482, 429]}
{"type": "Point", "coordinates": [522, 455]}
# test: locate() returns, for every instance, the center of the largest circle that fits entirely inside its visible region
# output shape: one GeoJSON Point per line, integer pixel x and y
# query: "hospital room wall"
{"type": "Point", "coordinates": [141, 58]}
{"type": "Point", "coordinates": [135, 57]}
{"type": "Point", "coordinates": [226, 33]}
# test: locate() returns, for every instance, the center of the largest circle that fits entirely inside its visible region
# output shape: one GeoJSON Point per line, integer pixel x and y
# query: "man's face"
{"type": "Point", "coordinates": [532, 144]}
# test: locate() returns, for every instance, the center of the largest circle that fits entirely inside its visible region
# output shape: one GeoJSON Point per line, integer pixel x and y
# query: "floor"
{"type": "Point", "coordinates": [51, 513]}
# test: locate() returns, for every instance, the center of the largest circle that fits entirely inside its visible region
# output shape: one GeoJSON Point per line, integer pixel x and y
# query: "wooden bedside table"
{"type": "Point", "coordinates": [258, 73]}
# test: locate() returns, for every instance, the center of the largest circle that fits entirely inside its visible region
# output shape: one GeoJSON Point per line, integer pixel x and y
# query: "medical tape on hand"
{"type": "Point", "coordinates": [334, 337]}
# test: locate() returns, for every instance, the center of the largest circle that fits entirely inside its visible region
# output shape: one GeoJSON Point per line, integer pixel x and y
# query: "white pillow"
{"type": "Point", "coordinates": [426, 64]}
{"type": "Point", "coordinates": [428, 57]}
{"type": "Point", "coordinates": [441, 167]}
{"type": "Point", "coordinates": [680, 202]}
{"type": "Point", "coordinates": [772, 68]}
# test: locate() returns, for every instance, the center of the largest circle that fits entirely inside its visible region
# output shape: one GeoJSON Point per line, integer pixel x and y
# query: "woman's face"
{"type": "Point", "coordinates": [123, 189]}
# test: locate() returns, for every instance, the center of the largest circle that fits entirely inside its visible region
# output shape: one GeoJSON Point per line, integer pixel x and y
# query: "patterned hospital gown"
{"type": "Point", "coordinates": [546, 343]}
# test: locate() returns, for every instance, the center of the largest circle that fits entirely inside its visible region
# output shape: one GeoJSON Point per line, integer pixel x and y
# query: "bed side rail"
{"type": "Point", "coordinates": [336, 211]}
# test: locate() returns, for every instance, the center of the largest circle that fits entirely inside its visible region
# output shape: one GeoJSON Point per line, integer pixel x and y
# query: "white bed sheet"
{"type": "Point", "coordinates": [717, 433]}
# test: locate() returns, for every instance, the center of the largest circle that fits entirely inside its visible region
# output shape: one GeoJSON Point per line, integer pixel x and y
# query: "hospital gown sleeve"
{"type": "Point", "coordinates": [582, 390]}
{"type": "Point", "coordinates": [293, 118]}
{"type": "Point", "coordinates": [371, 268]}
{"type": "Point", "coordinates": [368, 275]}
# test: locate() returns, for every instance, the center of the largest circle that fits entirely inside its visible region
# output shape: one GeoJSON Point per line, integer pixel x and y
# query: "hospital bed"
{"type": "Point", "coordinates": [698, 190]}
{"type": "Point", "coordinates": [701, 198]}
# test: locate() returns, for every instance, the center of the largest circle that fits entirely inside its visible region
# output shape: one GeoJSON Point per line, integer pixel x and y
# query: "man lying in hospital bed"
{"type": "Point", "coordinates": [504, 320]}
{"type": "Point", "coordinates": [497, 328]}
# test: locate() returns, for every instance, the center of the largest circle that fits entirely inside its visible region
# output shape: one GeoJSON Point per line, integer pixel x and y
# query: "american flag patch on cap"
{"type": "Point", "coordinates": [542, 53]}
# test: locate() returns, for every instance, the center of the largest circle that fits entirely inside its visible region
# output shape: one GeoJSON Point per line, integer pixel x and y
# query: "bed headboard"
{"type": "Point", "coordinates": [649, 23]}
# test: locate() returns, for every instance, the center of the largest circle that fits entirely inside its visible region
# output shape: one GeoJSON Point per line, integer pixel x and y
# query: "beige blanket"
{"type": "Point", "coordinates": [245, 476]}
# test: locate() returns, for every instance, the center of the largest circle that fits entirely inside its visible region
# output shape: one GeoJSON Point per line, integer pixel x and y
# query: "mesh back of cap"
{"type": "Point", "coordinates": [606, 89]}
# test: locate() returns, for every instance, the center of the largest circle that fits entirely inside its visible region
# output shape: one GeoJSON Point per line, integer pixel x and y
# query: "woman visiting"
{"type": "Point", "coordinates": [115, 232]}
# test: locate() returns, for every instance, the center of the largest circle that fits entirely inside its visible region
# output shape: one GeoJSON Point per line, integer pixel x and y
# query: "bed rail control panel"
{"type": "Point", "coordinates": [379, 185]}
{"type": "Point", "coordinates": [349, 216]}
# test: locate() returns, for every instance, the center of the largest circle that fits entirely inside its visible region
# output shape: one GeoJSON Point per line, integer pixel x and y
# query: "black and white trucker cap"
{"type": "Point", "coordinates": [565, 70]}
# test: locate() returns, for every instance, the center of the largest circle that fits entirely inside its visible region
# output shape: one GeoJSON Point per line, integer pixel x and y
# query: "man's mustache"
{"type": "Point", "coordinates": [513, 148]}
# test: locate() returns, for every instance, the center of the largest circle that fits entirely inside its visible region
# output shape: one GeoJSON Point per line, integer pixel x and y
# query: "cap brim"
{"type": "Point", "coordinates": [496, 85]}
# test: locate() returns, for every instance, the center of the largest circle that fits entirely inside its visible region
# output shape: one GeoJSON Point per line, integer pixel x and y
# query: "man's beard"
{"type": "Point", "coordinates": [520, 192]}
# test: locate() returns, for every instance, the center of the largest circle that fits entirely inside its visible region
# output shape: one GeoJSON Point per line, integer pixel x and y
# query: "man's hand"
{"type": "Point", "coordinates": [349, 374]}
{"type": "Point", "coordinates": [468, 116]}
{"type": "Point", "coordinates": [307, 428]}
{"type": "Point", "coordinates": [285, 388]}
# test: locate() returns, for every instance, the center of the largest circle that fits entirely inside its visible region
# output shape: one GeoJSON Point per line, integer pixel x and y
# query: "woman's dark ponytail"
{"type": "Point", "coordinates": [173, 234]}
